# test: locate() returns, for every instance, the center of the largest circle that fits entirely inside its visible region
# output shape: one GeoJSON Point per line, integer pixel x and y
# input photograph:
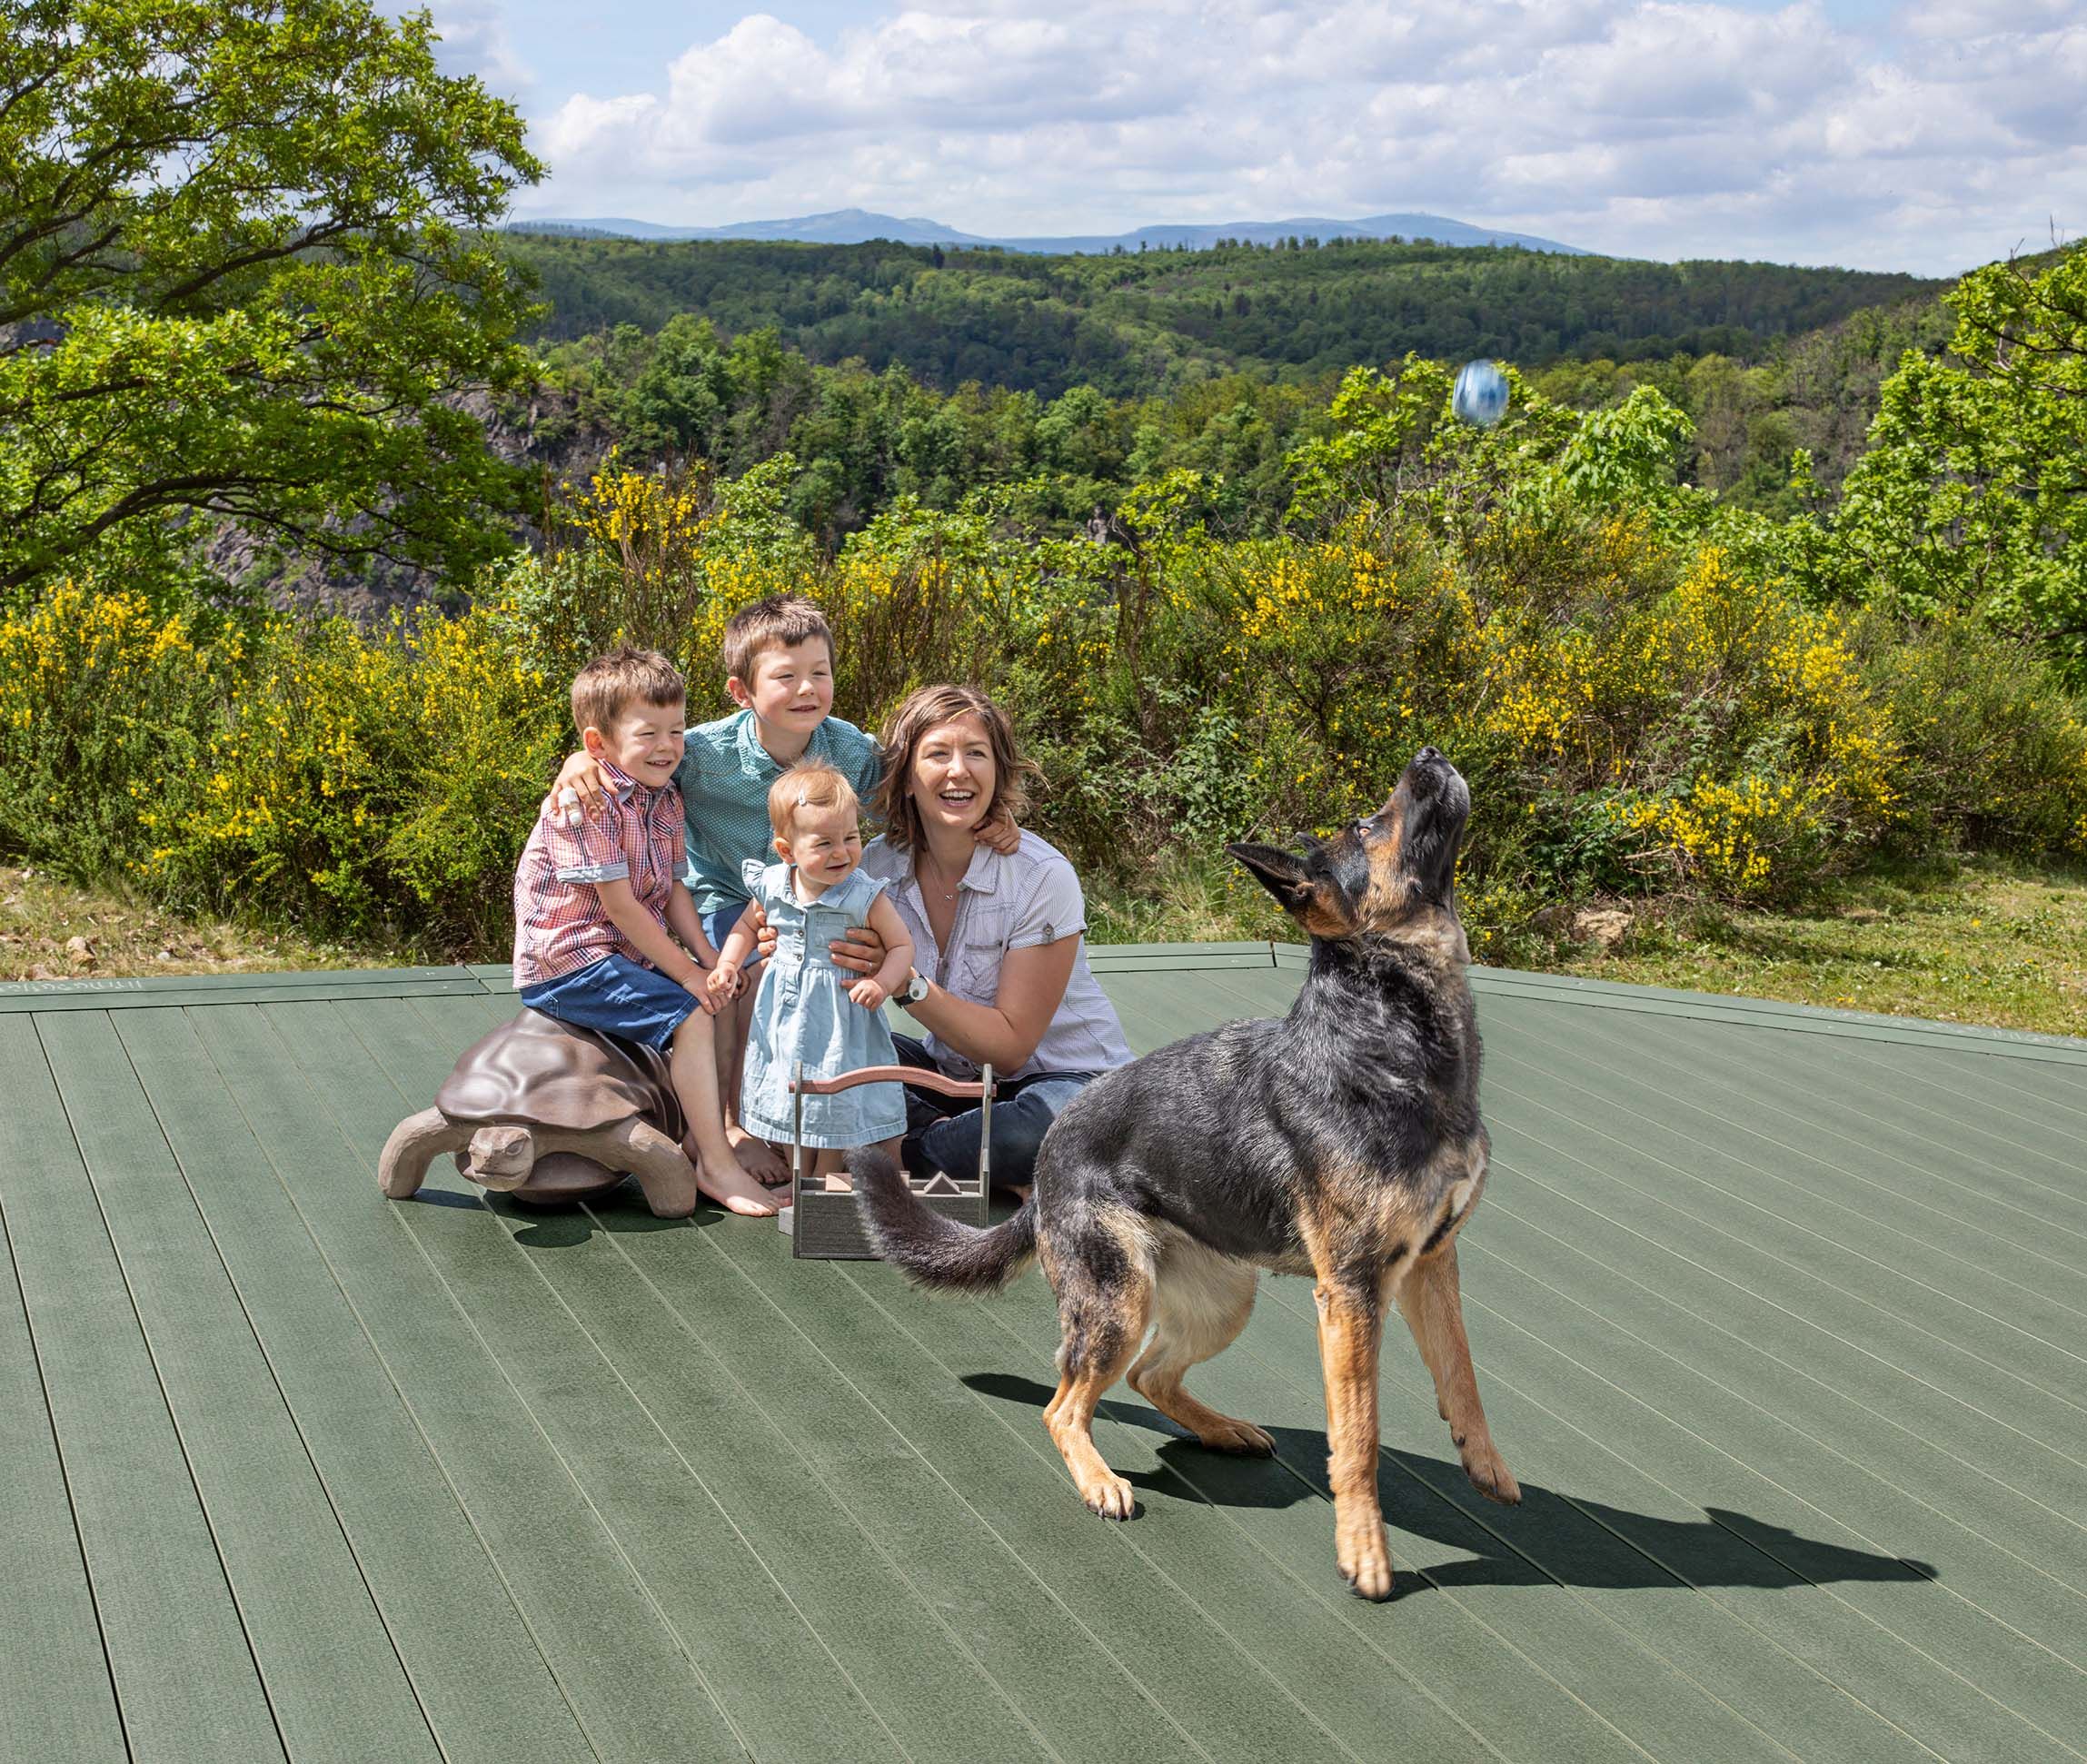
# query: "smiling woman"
{"type": "Point", "coordinates": [1001, 966]}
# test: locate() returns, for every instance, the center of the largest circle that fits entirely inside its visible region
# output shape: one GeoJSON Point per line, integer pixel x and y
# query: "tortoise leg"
{"type": "Point", "coordinates": [663, 1170]}
{"type": "Point", "coordinates": [415, 1143]}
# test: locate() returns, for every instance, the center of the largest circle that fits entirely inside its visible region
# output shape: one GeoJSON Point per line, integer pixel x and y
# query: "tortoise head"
{"type": "Point", "coordinates": [499, 1157]}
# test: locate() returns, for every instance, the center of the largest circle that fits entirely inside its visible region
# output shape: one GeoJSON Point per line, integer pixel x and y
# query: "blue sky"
{"type": "Point", "coordinates": [1927, 135]}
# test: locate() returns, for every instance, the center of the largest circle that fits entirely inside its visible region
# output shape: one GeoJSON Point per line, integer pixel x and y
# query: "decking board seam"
{"type": "Point", "coordinates": [1817, 1199]}
{"type": "Point", "coordinates": [1816, 1441]}
{"type": "Point", "coordinates": [550, 1444]}
{"type": "Point", "coordinates": [1830, 1106]}
{"type": "Point", "coordinates": [260, 1346]}
{"type": "Point", "coordinates": [58, 1457]}
{"type": "Point", "coordinates": [1044, 1454]}
{"type": "Point", "coordinates": [1498, 1204]}
{"type": "Point", "coordinates": [405, 1401]}
{"type": "Point", "coordinates": [811, 1469]}
{"type": "Point", "coordinates": [984, 1524]}
{"type": "Point", "coordinates": [1696, 1078]}
{"type": "Point", "coordinates": [1832, 1243]}
{"type": "Point", "coordinates": [1953, 1087]}
{"type": "Point", "coordinates": [159, 1379]}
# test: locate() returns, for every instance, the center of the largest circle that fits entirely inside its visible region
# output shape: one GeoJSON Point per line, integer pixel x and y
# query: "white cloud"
{"type": "Point", "coordinates": [1664, 127]}
{"type": "Point", "coordinates": [475, 41]}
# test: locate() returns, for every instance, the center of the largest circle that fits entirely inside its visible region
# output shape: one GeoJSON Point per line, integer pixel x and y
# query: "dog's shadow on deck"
{"type": "Point", "coordinates": [1553, 1537]}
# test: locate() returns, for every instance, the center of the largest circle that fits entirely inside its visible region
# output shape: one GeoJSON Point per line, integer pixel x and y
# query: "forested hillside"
{"type": "Point", "coordinates": [860, 437]}
{"type": "Point", "coordinates": [1145, 323]}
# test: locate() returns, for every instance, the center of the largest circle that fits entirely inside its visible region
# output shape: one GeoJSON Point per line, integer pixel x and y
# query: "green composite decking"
{"type": "Point", "coordinates": [1780, 1315]}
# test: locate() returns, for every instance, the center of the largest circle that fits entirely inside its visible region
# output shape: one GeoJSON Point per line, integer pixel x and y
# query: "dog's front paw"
{"type": "Point", "coordinates": [1109, 1495]}
{"type": "Point", "coordinates": [1241, 1436]}
{"type": "Point", "coordinates": [1489, 1473]}
{"type": "Point", "coordinates": [1364, 1558]}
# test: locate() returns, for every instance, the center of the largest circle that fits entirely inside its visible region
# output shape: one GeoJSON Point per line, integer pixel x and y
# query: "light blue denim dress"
{"type": "Point", "coordinates": [803, 1012]}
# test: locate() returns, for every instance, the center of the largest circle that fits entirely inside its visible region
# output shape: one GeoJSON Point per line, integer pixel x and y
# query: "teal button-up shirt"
{"type": "Point", "coordinates": [725, 778]}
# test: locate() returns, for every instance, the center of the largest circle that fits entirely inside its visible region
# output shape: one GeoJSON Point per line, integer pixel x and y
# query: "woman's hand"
{"type": "Point", "coordinates": [861, 951]}
{"type": "Point", "coordinates": [698, 987]}
{"type": "Point", "coordinates": [583, 778]}
{"type": "Point", "coordinates": [868, 994]}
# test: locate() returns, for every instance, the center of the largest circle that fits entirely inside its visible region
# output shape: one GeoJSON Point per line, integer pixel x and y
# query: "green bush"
{"type": "Point", "coordinates": [1638, 711]}
{"type": "Point", "coordinates": [1994, 752]}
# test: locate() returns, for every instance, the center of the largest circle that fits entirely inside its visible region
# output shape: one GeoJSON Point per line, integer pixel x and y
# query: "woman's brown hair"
{"type": "Point", "coordinates": [927, 709]}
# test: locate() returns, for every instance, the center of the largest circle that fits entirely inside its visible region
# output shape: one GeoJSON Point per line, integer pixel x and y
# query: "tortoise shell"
{"type": "Point", "coordinates": [537, 1071]}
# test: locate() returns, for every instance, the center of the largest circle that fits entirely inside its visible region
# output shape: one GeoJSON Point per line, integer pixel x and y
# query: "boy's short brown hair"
{"type": "Point", "coordinates": [611, 684]}
{"type": "Point", "coordinates": [782, 622]}
{"type": "Point", "coordinates": [808, 784]}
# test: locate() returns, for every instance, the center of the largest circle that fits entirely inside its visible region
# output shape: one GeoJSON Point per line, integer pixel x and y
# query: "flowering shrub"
{"type": "Point", "coordinates": [1635, 710]}
{"type": "Point", "coordinates": [106, 705]}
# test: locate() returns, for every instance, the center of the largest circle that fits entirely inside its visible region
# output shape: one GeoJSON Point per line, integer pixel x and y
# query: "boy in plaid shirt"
{"type": "Point", "coordinates": [599, 907]}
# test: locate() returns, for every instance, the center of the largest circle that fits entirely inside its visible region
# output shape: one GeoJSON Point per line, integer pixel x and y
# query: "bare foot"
{"type": "Point", "coordinates": [840, 1184]}
{"type": "Point", "coordinates": [757, 1157]}
{"type": "Point", "coordinates": [731, 1188]}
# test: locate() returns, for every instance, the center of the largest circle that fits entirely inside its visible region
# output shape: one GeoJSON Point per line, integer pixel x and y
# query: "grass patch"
{"type": "Point", "coordinates": [1185, 899]}
{"type": "Point", "coordinates": [1994, 944]}
{"type": "Point", "coordinates": [1990, 943]}
{"type": "Point", "coordinates": [53, 929]}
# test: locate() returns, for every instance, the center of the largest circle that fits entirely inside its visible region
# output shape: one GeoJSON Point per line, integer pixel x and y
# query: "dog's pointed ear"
{"type": "Point", "coordinates": [1312, 901]}
{"type": "Point", "coordinates": [1280, 872]}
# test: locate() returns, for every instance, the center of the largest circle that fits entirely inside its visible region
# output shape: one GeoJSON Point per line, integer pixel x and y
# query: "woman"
{"type": "Point", "coordinates": [1000, 965]}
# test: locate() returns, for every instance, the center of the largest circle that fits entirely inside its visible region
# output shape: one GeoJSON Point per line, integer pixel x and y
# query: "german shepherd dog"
{"type": "Point", "coordinates": [1342, 1142]}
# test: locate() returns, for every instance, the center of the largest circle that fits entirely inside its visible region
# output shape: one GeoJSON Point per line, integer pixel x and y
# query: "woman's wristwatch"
{"type": "Point", "coordinates": [915, 989]}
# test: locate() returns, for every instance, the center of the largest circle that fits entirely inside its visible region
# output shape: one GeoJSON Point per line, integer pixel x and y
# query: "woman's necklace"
{"type": "Point", "coordinates": [930, 875]}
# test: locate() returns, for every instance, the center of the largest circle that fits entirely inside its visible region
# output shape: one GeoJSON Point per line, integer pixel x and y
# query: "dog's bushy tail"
{"type": "Point", "coordinates": [932, 1251]}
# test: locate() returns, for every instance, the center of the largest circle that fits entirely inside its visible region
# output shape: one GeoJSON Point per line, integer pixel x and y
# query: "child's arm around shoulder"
{"type": "Point", "coordinates": [872, 990]}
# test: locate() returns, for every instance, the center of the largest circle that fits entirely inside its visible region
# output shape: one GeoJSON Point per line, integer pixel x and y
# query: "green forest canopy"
{"type": "Point", "coordinates": [1135, 324]}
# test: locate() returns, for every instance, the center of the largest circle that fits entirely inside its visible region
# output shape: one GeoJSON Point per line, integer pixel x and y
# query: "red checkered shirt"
{"type": "Point", "coordinates": [560, 923]}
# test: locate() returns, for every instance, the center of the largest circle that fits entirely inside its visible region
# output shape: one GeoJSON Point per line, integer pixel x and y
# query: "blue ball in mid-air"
{"type": "Point", "coordinates": [1481, 394]}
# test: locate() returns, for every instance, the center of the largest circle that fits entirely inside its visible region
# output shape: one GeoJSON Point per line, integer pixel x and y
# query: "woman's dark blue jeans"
{"type": "Point", "coordinates": [942, 1132]}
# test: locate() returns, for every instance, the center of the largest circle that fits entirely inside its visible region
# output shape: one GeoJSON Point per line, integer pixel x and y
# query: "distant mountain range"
{"type": "Point", "coordinates": [855, 226]}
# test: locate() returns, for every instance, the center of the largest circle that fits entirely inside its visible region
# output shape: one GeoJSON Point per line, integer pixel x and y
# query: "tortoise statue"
{"type": "Point", "coordinates": [549, 1113]}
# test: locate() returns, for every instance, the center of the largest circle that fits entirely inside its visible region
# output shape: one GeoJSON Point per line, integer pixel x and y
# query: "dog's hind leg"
{"type": "Point", "coordinates": [1102, 1274]}
{"type": "Point", "coordinates": [1201, 1301]}
{"type": "Point", "coordinates": [1433, 1302]}
{"type": "Point", "coordinates": [1351, 1325]}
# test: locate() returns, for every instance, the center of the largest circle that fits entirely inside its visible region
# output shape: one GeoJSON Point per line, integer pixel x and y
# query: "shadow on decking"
{"type": "Point", "coordinates": [1550, 1538]}
{"type": "Point", "coordinates": [556, 1225]}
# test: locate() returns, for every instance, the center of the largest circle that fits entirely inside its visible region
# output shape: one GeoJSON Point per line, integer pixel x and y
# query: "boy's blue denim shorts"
{"type": "Point", "coordinates": [717, 926]}
{"type": "Point", "coordinates": [618, 997]}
